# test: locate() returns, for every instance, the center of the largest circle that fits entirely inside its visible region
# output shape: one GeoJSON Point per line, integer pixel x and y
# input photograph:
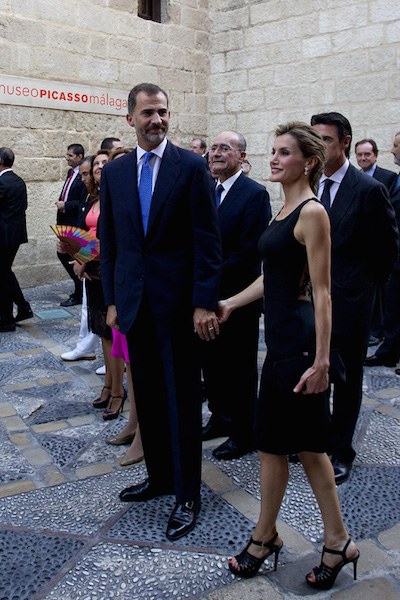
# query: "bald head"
{"type": "Point", "coordinates": [226, 154]}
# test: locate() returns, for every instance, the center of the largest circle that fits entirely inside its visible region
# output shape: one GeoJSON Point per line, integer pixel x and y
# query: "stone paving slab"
{"type": "Point", "coordinates": [64, 534]}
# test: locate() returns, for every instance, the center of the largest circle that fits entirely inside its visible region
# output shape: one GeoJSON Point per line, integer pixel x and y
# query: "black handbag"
{"type": "Point", "coordinates": [288, 371]}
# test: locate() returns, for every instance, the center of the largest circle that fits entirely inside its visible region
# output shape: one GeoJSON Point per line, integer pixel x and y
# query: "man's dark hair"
{"type": "Point", "coordinates": [203, 144]}
{"type": "Point", "coordinates": [7, 157]}
{"type": "Point", "coordinates": [368, 141]}
{"type": "Point", "coordinates": [77, 149]}
{"type": "Point", "coordinates": [150, 89]}
{"type": "Point", "coordinates": [342, 125]}
{"type": "Point", "coordinates": [107, 143]}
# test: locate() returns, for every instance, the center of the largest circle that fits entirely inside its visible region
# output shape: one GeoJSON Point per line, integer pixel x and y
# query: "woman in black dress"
{"type": "Point", "coordinates": [294, 419]}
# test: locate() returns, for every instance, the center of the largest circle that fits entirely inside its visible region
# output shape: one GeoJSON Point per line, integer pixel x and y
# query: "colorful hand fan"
{"type": "Point", "coordinates": [80, 244]}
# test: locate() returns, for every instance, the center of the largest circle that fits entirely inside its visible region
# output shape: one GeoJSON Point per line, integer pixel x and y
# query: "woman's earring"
{"type": "Point", "coordinates": [306, 169]}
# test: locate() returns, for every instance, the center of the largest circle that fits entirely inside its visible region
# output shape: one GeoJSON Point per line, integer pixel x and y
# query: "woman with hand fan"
{"type": "Point", "coordinates": [113, 394]}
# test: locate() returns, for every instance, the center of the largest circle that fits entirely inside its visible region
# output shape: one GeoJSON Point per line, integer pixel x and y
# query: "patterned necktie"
{"type": "Point", "coordinates": [326, 196]}
{"type": "Point", "coordinates": [146, 188]}
{"type": "Point", "coordinates": [218, 192]}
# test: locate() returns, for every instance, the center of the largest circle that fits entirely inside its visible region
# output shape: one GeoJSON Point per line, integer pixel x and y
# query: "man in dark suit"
{"type": "Point", "coordinates": [388, 353]}
{"type": "Point", "coordinates": [367, 155]}
{"type": "Point", "coordinates": [364, 247]}
{"type": "Point", "coordinates": [230, 363]}
{"type": "Point", "coordinates": [160, 267]}
{"type": "Point", "coordinates": [13, 204]}
{"type": "Point", "coordinates": [72, 195]}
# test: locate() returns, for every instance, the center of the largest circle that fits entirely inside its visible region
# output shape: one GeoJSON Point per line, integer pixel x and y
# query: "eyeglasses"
{"type": "Point", "coordinates": [223, 148]}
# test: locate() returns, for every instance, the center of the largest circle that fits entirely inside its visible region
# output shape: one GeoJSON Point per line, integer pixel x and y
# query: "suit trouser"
{"type": "Point", "coordinates": [347, 395]}
{"type": "Point", "coordinates": [11, 293]}
{"type": "Point", "coordinates": [229, 365]}
{"type": "Point", "coordinates": [65, 259]}
{"type": "Point", "coordinates": [166, 380]}
{"type": "Point", "coordinates": [390, 347]}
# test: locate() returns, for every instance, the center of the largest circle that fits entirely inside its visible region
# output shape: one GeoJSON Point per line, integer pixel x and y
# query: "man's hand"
{"type": "Point", "coordinates": [205, 324]}
{"type": "Point", "coordinates": [60, 205]}
{"type": "Point", "coordinates": [112, 317]}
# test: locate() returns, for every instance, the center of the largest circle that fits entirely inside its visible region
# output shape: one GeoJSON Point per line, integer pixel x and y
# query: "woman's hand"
{"type": "Point", "coordinates": [79, 270]}
{"type": "Point", "coordinates": [313, 381]}
{"type": "Point", "coordinates": [224, 311]}
{"type": "Point", "coordinates": [60, 247]}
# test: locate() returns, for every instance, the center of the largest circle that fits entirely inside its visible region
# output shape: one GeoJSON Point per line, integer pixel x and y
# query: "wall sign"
{"type": "Point", "coordinates": [21, 91]}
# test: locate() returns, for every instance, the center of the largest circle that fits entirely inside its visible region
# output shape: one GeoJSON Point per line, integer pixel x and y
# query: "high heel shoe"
{"type": "Point", "coordinates": [325, 576]}
{"type": "Point", "coordinates": [109, 413]}
{"type": "Point", "coordinates": [249, 565]}
{"type": "Point", "coordinates": [102, 402]}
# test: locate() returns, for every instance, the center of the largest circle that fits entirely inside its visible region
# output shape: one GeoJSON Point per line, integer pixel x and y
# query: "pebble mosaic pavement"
{"type": "Point", "coordinates": [65, 534]}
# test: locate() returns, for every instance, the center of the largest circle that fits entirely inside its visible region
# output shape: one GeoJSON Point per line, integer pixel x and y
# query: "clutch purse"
{"type": "Point", "coordinates": [289, 370]}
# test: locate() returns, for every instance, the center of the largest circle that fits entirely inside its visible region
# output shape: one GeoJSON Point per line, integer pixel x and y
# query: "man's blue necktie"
{"type": "Point", "coordinates": [146, 188]}
{"type": "Point", "coordinates": [397, 184]}
{"type": "Point", "coordinates": [326, 194]}
{"type": "Point", "coordinates": [218, 192]}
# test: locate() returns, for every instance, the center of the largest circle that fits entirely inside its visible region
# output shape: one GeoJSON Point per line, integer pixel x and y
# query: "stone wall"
{"type": "Point", "coordinates": [276, 60]}
{"type": "Point", "coordinates": [241, 64]}
{"type": "Point", "coordinates": [103, 44]}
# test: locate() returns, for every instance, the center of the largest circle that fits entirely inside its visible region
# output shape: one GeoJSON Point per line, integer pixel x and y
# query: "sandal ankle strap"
{"type": "Point", "coordinates": [341, 553]}
{"type": "Point", "coordinates": [264, 544]}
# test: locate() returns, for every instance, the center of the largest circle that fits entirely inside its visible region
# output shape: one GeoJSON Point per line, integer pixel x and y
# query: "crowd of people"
{"type": "Point", "coordinates": [189, 260]}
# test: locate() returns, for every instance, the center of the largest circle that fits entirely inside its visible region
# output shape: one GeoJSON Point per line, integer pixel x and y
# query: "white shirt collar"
{"type": "Point", "coordinates": [158, 150]}
{"type": "Point", "coordinates": [228, 183]}
{"type": "Point", "coordinates": [5, 171]}
{"type": "Point", "coordinates": [338, 175]}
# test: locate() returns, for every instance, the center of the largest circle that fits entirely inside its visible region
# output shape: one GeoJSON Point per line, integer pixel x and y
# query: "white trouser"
{"type": "Point", "coordinates": [87, 341]}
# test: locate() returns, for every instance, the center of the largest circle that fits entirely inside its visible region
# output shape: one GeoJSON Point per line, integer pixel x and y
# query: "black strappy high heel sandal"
{"type": "Point", "coordinates": [325, 576]}
{"type": "Point", "coordinates": [109, 413]}
{"type": "Point", "coordinates": [100, 402]}
{"type": "Point", "coordinates": [249, 565]}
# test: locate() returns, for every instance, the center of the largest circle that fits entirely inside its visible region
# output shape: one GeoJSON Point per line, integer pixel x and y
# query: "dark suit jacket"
{"type": "Point", "coordinates": [243, 216]}
{"type": "Point", "coordinates": [76, 196]}
{"type": "Point", "coordinates": [364, 248]}
{"type": "Point", "coordinates": [177, 264]}
{"type": "Point", "coordinates": [385, 176]}
{"type": "Point", "coordinates": [13, 204]}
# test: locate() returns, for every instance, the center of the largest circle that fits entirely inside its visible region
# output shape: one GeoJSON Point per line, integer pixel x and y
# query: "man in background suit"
{"type": "Point", "coordinates": [230, 363]}
{"type": "Point", "coordinates": [13, 204]}
{"type": "Point", "coordinates": [367, 154]}
{"type": "Point", "coordinates": [388, 353]}
{"type": "Point", "coordinates": [160, 267]}
{"type": "Point", "coordinates": [72, 195]}
{"type": "Point", "coordinates": [364, 247]}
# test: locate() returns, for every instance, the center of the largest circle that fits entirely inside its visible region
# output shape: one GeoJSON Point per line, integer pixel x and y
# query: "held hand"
{"type": "Point", "coordinates": [224, 311]}
{"type": "Point", "coordinates": [313, 381]}
{"type": "Point", "coordinates": [60, 205]}
{"type": "Point", "coordinates": [60, 247]}
{"type": "Point", "coordinates": [112, 317]}
{"type": "Point", "coordinates": [205, 324]}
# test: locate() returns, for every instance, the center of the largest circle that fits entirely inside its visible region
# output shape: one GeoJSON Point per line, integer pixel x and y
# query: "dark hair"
{"type": "Point", "coordinates": [150, 89]}
{"type": "Point", "coordinates": [87, 158]}
{"type": "Point", "coordinates": [203, 144]}
{"type": "Point", "coordinates": [368, 141]}
{"type": "Point", "coordinates": [342, 125]}
{"type": "Point", "coordinates": [93, 188]}
{"type": "Point", "coordinates": [107, 143]}
{"type": "Point", "coordinates": [7, 157]}
{"type": "Point", "coordinates": [310, 143]}
{"type": "Point", "coordinates": [77, 149]}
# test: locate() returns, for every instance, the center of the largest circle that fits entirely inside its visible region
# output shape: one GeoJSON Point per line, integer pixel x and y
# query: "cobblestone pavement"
{"type": "Point", "coordinates": [64, 533]}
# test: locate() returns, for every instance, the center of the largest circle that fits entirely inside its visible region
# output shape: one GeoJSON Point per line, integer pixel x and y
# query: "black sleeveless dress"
{"type": "Point", "coordinates": [285, 422]}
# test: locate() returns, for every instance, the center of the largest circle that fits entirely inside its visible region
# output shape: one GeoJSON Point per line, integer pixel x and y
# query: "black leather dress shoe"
{"type": "Point", "coordinates": [230, 449]}
{"type": "Point", "coordinates": [374, 341]}
{"type": "Point", "coordinates": [215, 428]}
{"type": "Point", "coordinates": [23, 314]}
{"type": "Point", "coordinates": [379, 361]}
{"type": "Point", "coordinates": [71, 301]}
{"type": "Point", "coordinates": [183, 519]}
{"type": "Point", "coordinates": [7, 325]}
{"type": "Point", "coordinates": [342, 470]}
{"type": "Point", "coordinates": [142, 492]}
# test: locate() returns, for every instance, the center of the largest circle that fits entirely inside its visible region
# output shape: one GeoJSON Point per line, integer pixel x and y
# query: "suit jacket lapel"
{"type": "Point", "coordinates": [230, 196]}
{"type": "Point", "coordinates": [344, 197]}
{"type": "Point", "coordinates": [167, 175]}
{"type": "Point", "coordinates": [129, 183]}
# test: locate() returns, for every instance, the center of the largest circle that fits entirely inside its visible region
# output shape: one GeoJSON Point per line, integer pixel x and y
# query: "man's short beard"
{"type": "Point", "coordinates": [155, 137]}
